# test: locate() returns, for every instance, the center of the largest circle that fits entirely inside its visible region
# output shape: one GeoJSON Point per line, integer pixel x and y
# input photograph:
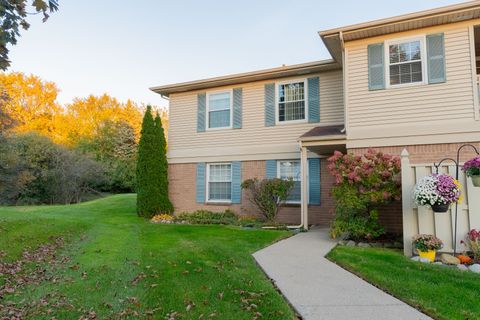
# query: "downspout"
{"type": "Point", "coordinates": [302, 222]}
{"type": "Point", "coordinates": [344, 73]}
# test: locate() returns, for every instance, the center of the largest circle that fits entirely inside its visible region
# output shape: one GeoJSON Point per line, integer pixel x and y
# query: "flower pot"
{"type": "Point", "coordinates": [430, 254]}
{"type": "Point", "coordinates": [440, 207]}
{"type": "Point", "coordinates": [476, 181]}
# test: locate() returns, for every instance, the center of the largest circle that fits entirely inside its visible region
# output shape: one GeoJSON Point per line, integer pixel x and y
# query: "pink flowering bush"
{"type": "Point", "coordinates": [362, 185]}
{"type": "Point", "coordinates": [472, 167]}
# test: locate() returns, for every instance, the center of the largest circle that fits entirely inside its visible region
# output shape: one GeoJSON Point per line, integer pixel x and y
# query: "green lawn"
{"type": "Point", "coordinates": [114, 265]}
{"type": "Point", "coordinates": [441, 292]}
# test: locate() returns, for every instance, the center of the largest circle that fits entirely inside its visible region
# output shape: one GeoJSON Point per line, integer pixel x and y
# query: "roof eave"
{"type": "Point", "coordinates": [402, 18]}
{"type": "Point", "coordinates": [274, 73]}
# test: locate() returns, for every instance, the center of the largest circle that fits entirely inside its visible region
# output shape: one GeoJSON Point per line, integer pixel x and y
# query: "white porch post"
{"type": "Point", "coordinates": [304, 189]}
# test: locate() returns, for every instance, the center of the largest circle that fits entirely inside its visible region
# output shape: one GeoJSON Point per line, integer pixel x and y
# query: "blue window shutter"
{"type": "Point", "coordinates": [271, 169]}
{"type": "Point", "coordinates": [313, 99]}
{"type": "Point", "coordinates": [436, 58]}
{"type": "Point", "coordinates": [200, 182]}
{"type": "Point", "coordinates": [237, 108]}
{"type": "Point", "coordinates": [201, 111]}
{"type": "Point", "coordinates": [269, 105]}
{"type": "Point", "coordinates": [314, 181]}
{"type": "Point", "coordinates": [376, 68]}
{"type": "Point", "coordinates": [236, 181]}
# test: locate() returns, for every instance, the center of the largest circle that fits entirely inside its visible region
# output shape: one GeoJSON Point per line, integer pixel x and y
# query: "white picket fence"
{"type": "Point", "coordinates": [421, 219]}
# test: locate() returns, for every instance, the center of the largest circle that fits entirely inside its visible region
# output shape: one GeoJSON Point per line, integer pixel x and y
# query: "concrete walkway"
{"type": "Point", "coordinates": [319, 289]}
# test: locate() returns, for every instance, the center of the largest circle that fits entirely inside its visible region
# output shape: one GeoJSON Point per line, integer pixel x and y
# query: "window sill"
{"type": "Point", "coordinates": [285, 123]}
{"type": "Point", "coordinates": [218, 203]}
{"type": "Point", "coordinates": [407, 85]}
{"type": "Point", "coordinates": [292, 204]}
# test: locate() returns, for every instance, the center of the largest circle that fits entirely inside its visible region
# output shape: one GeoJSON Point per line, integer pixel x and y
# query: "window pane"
{"type": "Point", "coordinates": [291, 101]}
{"type": "Point", "coordinates": [220, 172]}
{"type": "Point", "coordinates": [394, 55]}
{"type": "Point", "coordinates": [220, 191]}
{"type": "Point", "coordinates": [219, 182]}
{"type": "Point", "coordinates": [219, 101]}
{"type": "Point", "coordinates": [219, 119]}
{"type": "Point", "coordinates": [291, 170]}
{"type": "Point", "coordinates": [295, 193]}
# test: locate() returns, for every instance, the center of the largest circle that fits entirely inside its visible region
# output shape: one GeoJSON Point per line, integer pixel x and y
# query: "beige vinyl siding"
{"type": "Point", "coordinates": [186, 144]}
{"type": "Point", "coordinates": [417, 109]}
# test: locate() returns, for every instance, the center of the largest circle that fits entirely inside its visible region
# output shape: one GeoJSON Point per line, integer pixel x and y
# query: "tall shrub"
{"type": "Point", "coordinates": [152, 185]}
{"type": "Point", "coordinates": [362, 185]}
{"type": "Point", "coordinates": [165, 204]}
{"type": "Point", "coordinates": [268, 194]}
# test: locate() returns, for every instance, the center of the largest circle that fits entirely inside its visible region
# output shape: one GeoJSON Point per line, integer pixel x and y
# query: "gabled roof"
{"type": "Point", "coordinates": [422, 19]}
{"type": "Point", "coordinates": [266, 74]}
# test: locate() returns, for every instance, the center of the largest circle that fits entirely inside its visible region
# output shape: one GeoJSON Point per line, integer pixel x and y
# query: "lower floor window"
{"type": "Point", "coordinates": [220, 182]}
{"type": "Point", "coordinates": [290, 169]}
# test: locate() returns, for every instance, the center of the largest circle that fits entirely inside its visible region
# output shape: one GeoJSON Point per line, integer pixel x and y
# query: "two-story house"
{"type": "Point", "coordinates": [403, 82]}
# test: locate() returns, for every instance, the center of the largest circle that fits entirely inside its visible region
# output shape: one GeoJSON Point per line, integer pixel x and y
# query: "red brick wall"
{"type": "Point", "coordinates": [182, 193]}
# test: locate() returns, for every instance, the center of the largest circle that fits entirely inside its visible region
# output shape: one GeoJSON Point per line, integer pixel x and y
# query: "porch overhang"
{"type": "Point", "coordinates": [324, 140]}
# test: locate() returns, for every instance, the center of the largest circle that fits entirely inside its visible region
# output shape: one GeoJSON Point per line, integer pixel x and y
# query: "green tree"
{"type": "Point", "coordinates": [152, 185]}
{"type": "Point", "coordinates": [115, 147]}
{"type": "Point", "coordinates": [13, 14]}
{"type": "Point", "coordinates": [161, 154]}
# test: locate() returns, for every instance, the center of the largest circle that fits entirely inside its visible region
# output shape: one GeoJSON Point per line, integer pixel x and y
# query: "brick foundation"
{"type": "Point", "coordinates": [182, 194]}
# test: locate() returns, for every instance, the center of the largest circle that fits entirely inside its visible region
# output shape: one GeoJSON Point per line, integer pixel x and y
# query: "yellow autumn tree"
{"type": "Point", "coordinates": [30, 102]}
{"type": "Point", "coordinates": [84, 117]}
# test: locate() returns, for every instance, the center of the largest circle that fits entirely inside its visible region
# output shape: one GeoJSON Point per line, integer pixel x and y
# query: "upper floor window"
{"type": "Point", "coordinates": [405, 60]}
{"type": "Point", "coordinates": [219, 182]}
{"type": "Point", "coordinates": [219, 110]}
{"type": "Point", "coordinates": [290, 169]}
{"type": "Point", "coordinates": [291, 101]}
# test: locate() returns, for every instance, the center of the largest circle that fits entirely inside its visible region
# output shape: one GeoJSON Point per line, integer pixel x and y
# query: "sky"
{"type": "Point", "coordinates": [124, 47]}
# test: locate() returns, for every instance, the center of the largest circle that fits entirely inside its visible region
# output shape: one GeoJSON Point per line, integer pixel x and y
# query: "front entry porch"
{"type": "Point", "coordinates": [322, 141]}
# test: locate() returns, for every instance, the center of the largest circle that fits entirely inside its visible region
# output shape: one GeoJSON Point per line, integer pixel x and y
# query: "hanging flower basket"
{"type": "Point", "coordinates": [440, 208]}
{"type": "Point", "coordinates": [472, 169]}
{"type": "Point", "coordinates": [476, 181]}
{"type": "Point", "coordinates": [438, 191]}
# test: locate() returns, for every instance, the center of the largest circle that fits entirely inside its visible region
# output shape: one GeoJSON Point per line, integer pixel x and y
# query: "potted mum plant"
{"type": "Point", "coordinates": [427, 245]}
{"type": "Point", "coordinates": [472, 170]}
{"type": "Point", "coordinates": [438, 191]}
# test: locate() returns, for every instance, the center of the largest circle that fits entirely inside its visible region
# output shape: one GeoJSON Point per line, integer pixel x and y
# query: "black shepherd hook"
{"type": "Point", "coordinates": [457, 166]}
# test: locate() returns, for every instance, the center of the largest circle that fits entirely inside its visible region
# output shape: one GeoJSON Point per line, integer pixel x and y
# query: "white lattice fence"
{"type": "Point", "coordinates": [421, 219]}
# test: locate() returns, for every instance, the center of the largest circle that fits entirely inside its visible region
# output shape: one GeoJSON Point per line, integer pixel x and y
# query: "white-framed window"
{"type": "Point", "coordinates": [291, 101]}
{"type": "Point", "coordinates": [219, 182]}
{"type": "Point", "coordinates": [290, 169]}
{"type": "Point", "coordinates": [219, 110]}
{"type": "Point", "coordinates": [406, 61]}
